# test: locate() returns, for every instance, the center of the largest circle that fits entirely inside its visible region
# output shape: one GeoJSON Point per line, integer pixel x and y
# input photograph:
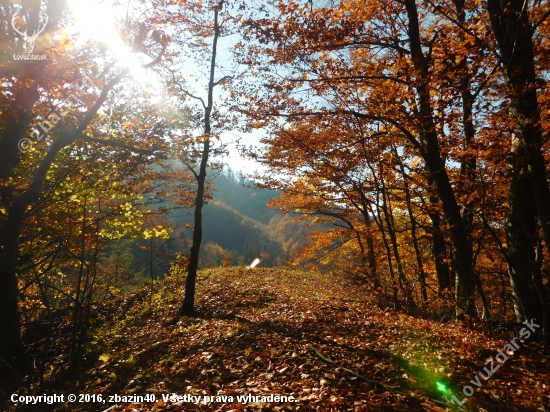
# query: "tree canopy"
{"type": "Point", "coordinates": [406, 143]}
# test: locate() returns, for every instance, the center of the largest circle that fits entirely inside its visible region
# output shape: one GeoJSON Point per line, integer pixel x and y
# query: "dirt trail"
{"type": "Point", "coordinates": [275, 332]}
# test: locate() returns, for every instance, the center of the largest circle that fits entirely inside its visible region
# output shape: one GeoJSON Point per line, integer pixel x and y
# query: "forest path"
{"type": "Point", "coordinates": [265, 332]}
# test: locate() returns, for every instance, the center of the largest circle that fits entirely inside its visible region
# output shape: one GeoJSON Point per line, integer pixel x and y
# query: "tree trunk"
{"type": "Point", "coordinates": [462, 254]}
{"type": "Point", "coordinates": [439, 251]}
{"type": "Point", "coordinates": [403, 282]}
{"type": "Point", "coordinates": [10, 322]}
{"type": "Point", "coordinates": [371, 254]}
{"type": "Point", "coordinates": [16, 128]}
{"type": "Point", "coordinates": [380, 224]}
{"type": "Point", "coordinates": [77, 309]}
{"type": "Point", "coordinates": [522, 240]}
{"type": "Point", "coordinates": [416, 246]}
{"type": "Point", "coordinates": [465, 185]}
{"type": "Point", "coordinates": [188, 305]}
{"type": "Point", "coordinates": [514, 36]}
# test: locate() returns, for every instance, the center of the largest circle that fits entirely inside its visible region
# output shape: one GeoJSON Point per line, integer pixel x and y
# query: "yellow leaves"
{"type": "Point", "coordinates": [156, 232]}
{"type": "Point", "coordinates": [31, 304]}
{"type": "Point", "coordinates": [105, 357]}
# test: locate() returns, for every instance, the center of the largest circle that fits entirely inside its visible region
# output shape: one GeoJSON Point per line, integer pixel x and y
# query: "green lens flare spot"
{"type": "Point", "coordinates": [441, 387]}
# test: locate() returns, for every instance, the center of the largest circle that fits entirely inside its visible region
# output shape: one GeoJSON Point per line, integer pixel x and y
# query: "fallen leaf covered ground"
{"type": "Point", "coordinates": [285, 333]}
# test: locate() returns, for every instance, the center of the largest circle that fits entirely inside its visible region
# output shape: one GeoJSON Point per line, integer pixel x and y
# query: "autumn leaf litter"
{"type": "Point", "coordinates": [254, 334]}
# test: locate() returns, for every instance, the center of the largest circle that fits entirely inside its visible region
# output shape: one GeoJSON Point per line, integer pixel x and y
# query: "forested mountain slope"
{"type": "Point", "coordinates": [238, 223]}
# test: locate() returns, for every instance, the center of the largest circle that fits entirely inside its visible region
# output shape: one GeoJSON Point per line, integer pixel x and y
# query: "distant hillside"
{"type": "Point", "coordinates": [240, 237]}
{"type": "Point", "coordinates": [239, 193]}
{"type": "Point", "coordinates": [237, 228]}
{"type": "Point", "coordinates": [238, 224]}
{"type": "Point", "coordinates": [290, 234]}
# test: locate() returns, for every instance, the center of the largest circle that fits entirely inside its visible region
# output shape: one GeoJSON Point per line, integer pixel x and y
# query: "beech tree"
{"type": "Point", "coordinates": [206, 24]}
{"type": "Point", "coordinates": [514, 24]}
{"type": "Point", "coordinates": [414, 132]}
{"type": "Point", "coordinates": [426, 76]}
{"type": "Point", "coordinates": [71, 129]}
{"type": "Point", "coordinates": [329, 59]}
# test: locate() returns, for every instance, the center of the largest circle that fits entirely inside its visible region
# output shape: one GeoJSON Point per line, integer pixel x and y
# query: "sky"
{"type": "Point", "coordinates": [236, 161]}
{"type": "Point", "coordinates": [94, 19]}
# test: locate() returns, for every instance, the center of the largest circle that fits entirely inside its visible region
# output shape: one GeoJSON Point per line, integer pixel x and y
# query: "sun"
{"type": "Point", "coordinates": [95, 20]}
